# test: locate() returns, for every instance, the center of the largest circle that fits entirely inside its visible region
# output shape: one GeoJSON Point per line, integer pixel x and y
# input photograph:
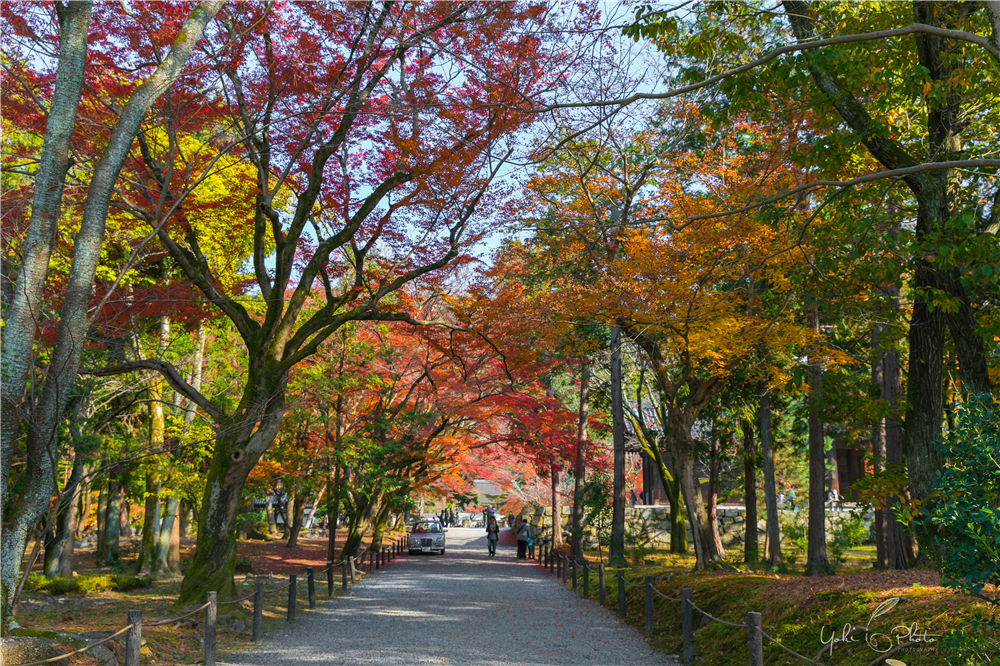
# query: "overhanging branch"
{"type": "Point", "coordinates": [168, 372]}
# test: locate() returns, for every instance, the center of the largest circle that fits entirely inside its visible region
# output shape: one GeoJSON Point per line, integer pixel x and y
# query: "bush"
{"type": "Point", "coordinates": [86, 584]}
{"type": "Point", "coordinates": [849, 533]}
{"type": "Point", "coordinates": [960, 523]}
{"type": "Point", "coordinates": [795, 532]}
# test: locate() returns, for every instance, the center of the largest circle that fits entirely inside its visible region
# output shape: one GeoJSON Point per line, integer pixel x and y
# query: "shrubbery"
{"type": "Point", "coordinates": [86, 584]}
{"type": "Point", "coordinates": [961, 521]}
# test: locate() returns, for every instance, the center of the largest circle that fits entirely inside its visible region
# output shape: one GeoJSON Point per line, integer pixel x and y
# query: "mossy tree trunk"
{"type": "Point", "coordinates": [580, 463]}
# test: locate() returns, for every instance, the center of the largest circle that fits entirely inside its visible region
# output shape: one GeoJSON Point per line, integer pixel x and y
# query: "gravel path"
{"type": "Point", "coordinates": [463, 609]}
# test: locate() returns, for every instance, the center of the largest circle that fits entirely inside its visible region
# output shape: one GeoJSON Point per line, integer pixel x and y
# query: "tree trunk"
{"type": "Point", "coordinates": [333, 515]}
{"type": "Point", "coordinates": [616, 552]}
{"type": "Point", "coordinates": [678, 528]}
{"type": "Point", "coordinates": [557, 540]}
{"type": "Point", "coordinates": [288, 517]}
{"type": "Point", "coordinates": [272, 524]}
{"type": "Point", "coordinates": [59, 550]}
{"type": "Point", "coordinates": [66, 554]}
{"type": "Point", "coordinates": [878, 443]}
{"type": "Point", "coordinates": [168, 539]}
{"type": "Point", "coordinates": [196, 373]}
{"type": "Point", "coordinates": [112, 525]}
{"type": "Point", "coordinates": [701, 533]}
{"type": "Point", "coordinates": [74, 314]}
{"type": "Point", "coordinates": [22, 317]}
{"type": "Point", "coordinates": [149, 557]}
{"type": "Point", "coordinates": [296, 516]}
{"type": "Point", "coordinates": [102, 521]}
{"type": "Point", "coordinates": [751, 549]}
{"type": "Point", "coordinates": [378, 534]}
{"type": "Point", "coordinates": [85, 504]}
{"type": "Point", "coordinates": [898, 544]}
{"type": "Point", "coordinates": [580, 466]}
{"type": "Point", "coordinates": [312, 513]}
{"type": "Point", "coordinates": [124, 523]}
{"type": "Point", "coordinates": [713, 494]}
{"type": "Point", "coordinates": [817, 563]}
{"type": "Point", "coordinates": [243, 438]}
{"type": "Point", "coordinates": [770, 487]}
{"type": "Point", "coordinates": [361, 519]}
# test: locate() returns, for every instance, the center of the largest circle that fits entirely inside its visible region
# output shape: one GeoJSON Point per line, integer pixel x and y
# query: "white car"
{"type": "Point", "coordinates": [425, 536]}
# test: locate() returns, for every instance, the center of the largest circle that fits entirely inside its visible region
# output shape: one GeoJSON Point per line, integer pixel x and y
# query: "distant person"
{"type": "Point", "coordinates": [492, 535]}
{"type": "Point", "coordinates": [633, 500]}
{"type": "Point", "coordinates": [510, 519]}
{"type": "Point", "coordinates": [451, 517]}
{"type": "Point", "coordinates": [791, 498]}
{"type": "Point", "coordinates": [531, 545]}
{"type": "Point", "coordinates": [523, 537]}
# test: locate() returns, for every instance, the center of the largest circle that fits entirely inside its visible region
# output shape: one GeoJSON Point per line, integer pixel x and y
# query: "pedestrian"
{"type": "Point", "coordinates": [791, 498]}
{"type": "Point", "coordinates": [531, 544]}
{"type": "Point", "coordinates": [492, 535]}
{"type": "Point", "coordinates": [451, 517]}
{"type": "Point", "coordinates": [510, 519]}
{"type": "Point", "coordinates": [632, 499]}
{"type": "Point", "coordinates": [523, 537]}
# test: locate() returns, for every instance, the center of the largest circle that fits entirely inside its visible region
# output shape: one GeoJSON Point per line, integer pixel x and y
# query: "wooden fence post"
{"type": "Point", "coordinates": [133, 639]}
{"type": "Point", "coordinates": [586, 580]}
{"type": "Point", "coordinates": [574, 573]}
{"type": "Point", "coordinates": [258, 610]}
{"type": "Point", "coordinates": [649, 606]}
{"type": "Point", "coordinates": [311, 587]}
{"type": "Point", "coordinates": [755, 640]}
{"type": "Point", "coordinates": [687, 625]}
{"type": "Point", "coordinates": [352, 570]}
{"type": "Point", "coordinates": [622, 610]}
{"type": "Point", "coordinates": [343, 575]}
{"type": "Point", "coordinates": [211, 627]}
{"type": "Point", "coordinates": [329, 578]}
{"type": "Point", "coordinates": [292, 584]}
{"type": "Point", "coordinates": [564, 561]}
{"type": "Point", "coordinates": [602, 590]}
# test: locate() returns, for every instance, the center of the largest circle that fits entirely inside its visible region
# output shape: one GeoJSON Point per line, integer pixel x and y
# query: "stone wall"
{"type": "Point", "coordinates": [650, 525]}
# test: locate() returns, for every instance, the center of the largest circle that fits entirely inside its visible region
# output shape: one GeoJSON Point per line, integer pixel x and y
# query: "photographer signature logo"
{"type": "Point", "coordinates": [881, 642]}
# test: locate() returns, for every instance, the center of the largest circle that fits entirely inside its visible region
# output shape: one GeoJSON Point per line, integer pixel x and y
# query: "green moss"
{"type": "Point", "coordinates": [86, 584]}
{"type": "Point", "coordinates": [796, 621]}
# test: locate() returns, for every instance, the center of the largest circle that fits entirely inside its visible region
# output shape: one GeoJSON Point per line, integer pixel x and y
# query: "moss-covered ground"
{"type": "Point", "coordinates": [803, 613]}
{"type": "Point", "coordinates": [102, 608]}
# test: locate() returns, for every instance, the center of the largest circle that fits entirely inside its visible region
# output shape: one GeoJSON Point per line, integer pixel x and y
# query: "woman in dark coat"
{"type": "Point", "coordinates": [492, 535]}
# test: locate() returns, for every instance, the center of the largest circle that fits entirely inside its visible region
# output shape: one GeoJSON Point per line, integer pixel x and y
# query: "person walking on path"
{"type": "Point", "coordinates": [523, 536]}
{"type": "Point", "coordinates": [492, 535]}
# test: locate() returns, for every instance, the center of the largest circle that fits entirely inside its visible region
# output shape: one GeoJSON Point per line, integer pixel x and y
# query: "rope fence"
{"type": "Point", "coordinates": [348, 566]}
{"type": "Point", "coordinates": [81, 650]}
{"type": "Point", "coordinates": [556, 562]}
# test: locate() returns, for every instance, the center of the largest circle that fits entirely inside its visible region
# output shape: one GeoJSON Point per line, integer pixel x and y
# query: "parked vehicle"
{"type": "Point", "coordinates": [426, 536]}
